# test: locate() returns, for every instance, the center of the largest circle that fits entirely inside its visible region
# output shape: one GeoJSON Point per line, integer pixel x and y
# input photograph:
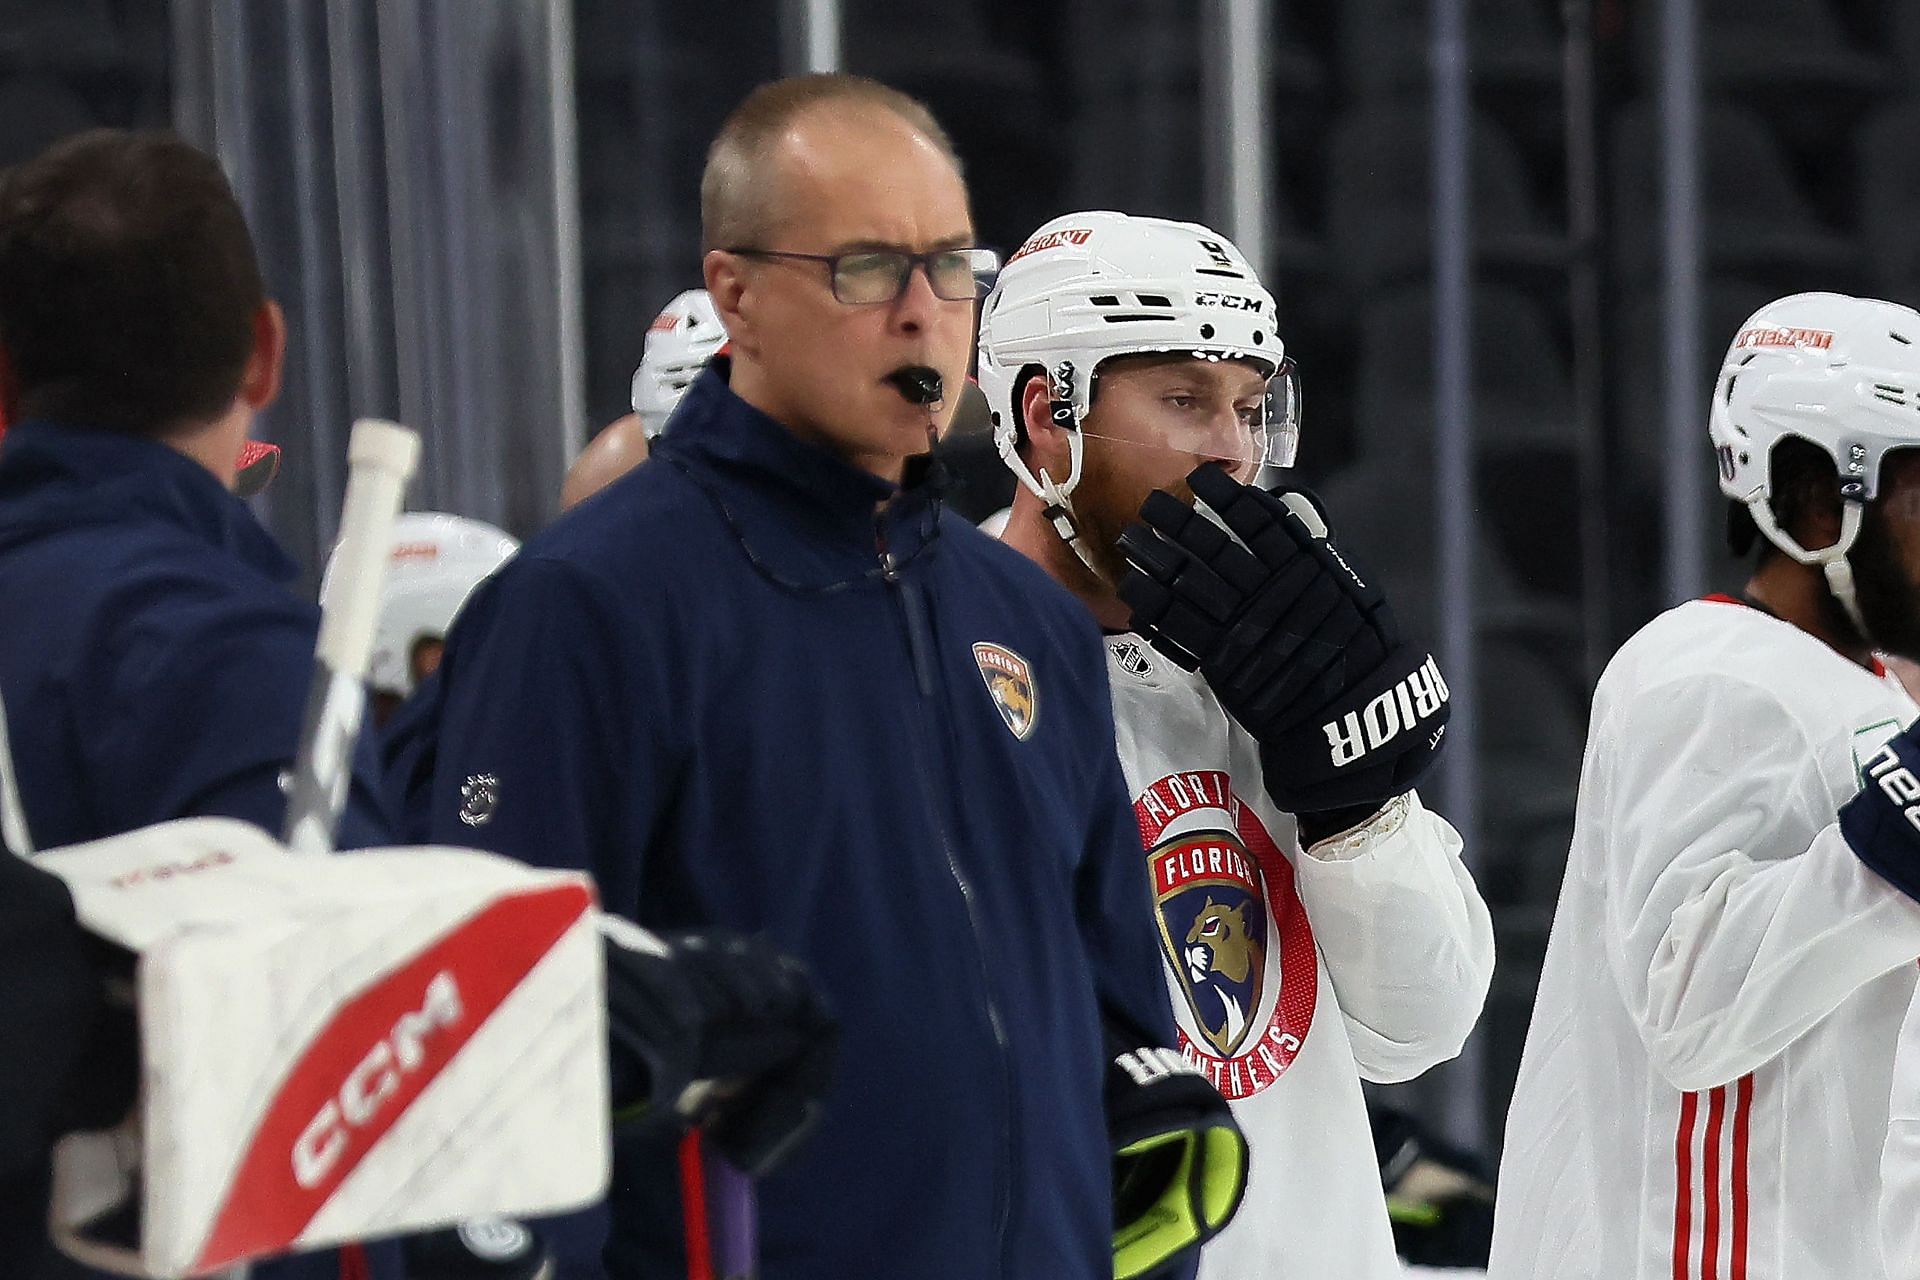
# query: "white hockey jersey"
{"type": "Point", "coordinates": [1703, 1093]}
{"type": "Point", "coordinates": [1293, 975]}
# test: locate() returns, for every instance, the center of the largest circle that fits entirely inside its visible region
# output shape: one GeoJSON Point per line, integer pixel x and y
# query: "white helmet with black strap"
{"type": "Point", "coordinates": [436, 562]}
{"type": "Point", "coordinates": [1839, 372]}
{"type": "Point", "coordinates": [685, 335]}
{"type": "Point", "coordinates": [1089, 287]}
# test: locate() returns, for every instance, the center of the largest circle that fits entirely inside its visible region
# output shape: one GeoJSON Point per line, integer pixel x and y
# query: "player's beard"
{"type": "Point", "coordinates": [1888, 597]}
{"type": "Point", "coordinates": [1105, 502]}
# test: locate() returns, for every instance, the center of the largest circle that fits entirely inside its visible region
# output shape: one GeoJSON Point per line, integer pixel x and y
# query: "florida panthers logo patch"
{"type": "Point", "coordinates": [1208, 883]}
{"type": "Point", "coordinates": [1239, 949]}
{"type": "Point", "coordinates": [1009, 683]}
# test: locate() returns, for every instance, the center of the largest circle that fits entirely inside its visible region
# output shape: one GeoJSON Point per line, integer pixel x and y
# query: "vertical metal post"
{"type": "Point", "coordinates": [1680, 283]}
{"type": "Point", "coordinates": [812, 35]}
{"type": "Point", "coordinates": [1587, 288]}
{"type": "Point", "coordinates": [570, 294]}
{"type": "Point", "coordinates": [1453, 464]}
{"type": "Point", "coordinates": [1239, 140]}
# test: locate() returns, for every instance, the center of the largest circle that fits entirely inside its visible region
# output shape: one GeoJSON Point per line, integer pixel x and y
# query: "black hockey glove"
{"type": "Point", "coordinates": [1299, 648]}
{"type": "Point", "coordinates": [1881, 824]}
{"type": "Point", "coordinates": [721, 1030]}
{"type": "Point", "coordinates": [1179, 1159]}
{"type": "Point", "coordinates": [70, 1058]}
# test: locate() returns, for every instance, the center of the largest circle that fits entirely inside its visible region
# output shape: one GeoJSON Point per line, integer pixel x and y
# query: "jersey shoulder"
{"type": "Point", "coordinates": [1726, 659]}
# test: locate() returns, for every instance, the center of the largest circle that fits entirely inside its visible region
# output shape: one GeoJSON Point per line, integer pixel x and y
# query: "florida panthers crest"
{"type": "Point", "coordinates": [1009, 683]}
{"type": "Point", "coordinates": [1239, 949]}
{"type": "Point", "coordinates": [1208, 883]}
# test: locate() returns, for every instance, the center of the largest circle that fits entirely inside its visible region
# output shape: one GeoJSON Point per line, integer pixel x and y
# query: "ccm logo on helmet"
{"type": "Point", "coordinates": [1229, 301]}
{"type": "Point", "coordinates": [367, 1087]}
{"type": "Point", "coordinates": [1389, 715]}
{"type": "Point", "coordinates": [1899, 784]}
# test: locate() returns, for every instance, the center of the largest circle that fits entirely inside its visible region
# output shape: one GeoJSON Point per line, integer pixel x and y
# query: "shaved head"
{"type": "Point", "coordinates": [742, 189]}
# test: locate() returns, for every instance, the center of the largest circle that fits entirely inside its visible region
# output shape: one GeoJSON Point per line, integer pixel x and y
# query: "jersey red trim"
{"type": "Point", "coordinates": [1683, 1183]}
{"type": "Point", "coordinates": [1710, 1186]}
{"type": "Point", "coordinates": [1742, 1116]}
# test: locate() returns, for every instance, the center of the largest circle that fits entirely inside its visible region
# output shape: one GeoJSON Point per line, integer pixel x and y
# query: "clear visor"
{"type": "Point", "coordinates": [1261, 429]}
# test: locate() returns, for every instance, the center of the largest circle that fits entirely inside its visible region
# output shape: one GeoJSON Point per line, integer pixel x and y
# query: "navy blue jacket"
{"type": "Point", "coordinates": [736, 695]}
{"type": "Point", "coordinates": [153, 663]}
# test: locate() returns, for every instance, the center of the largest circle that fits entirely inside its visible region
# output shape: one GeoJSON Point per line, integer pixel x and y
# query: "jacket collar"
{"type": "Point", "coordinates": [53, 475]}
{"type": "Point", "coordinates": [777, 489]}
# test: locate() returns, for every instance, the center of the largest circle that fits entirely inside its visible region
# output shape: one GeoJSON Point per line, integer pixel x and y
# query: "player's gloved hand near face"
{"type": "Point", "coordinates": [1179, 1159]}
{"type": "Point", "coordinates": [718, 1029]}
{"type": "Point", "coordinates": [1300, 649]}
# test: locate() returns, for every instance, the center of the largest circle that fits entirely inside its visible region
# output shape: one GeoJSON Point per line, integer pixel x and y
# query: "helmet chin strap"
{"type": "Point", "coordinates": [1832, 560]}
{"type": "Point", "coordinates": [1057, 496]}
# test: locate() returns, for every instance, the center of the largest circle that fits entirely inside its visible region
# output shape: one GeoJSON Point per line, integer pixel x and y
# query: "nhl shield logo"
{"type": "Point", "coordinates": [1009, 683]}
{"type": "Point", "coordinates": [1132, 657]}
{"type": "Point", "coordinates": [478, 795]}
{"type": "Point", "coordinates": [1213, 920]}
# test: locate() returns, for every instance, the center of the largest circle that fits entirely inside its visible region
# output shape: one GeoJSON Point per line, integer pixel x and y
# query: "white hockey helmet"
{"type": "Point", "coordinates": [680, 341]}
{"type": "Point", "coordinates": [437, 561]}
{"type": "Point", "coordinates": [1088, 287]}
{"type": "Point", "coordinates": [1840, 372]}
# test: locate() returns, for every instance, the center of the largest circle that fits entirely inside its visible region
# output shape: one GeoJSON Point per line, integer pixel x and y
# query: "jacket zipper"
{"type": "Point", "coordinates": [920, 649]}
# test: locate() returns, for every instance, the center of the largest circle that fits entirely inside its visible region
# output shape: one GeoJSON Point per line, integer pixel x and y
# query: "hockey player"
{"type": "Point", "coordinates": [683, 337]}
{"type": "Point", "coordinates": [1704, 1091]}
{"type": "Point", "coordinates": [155, 667]}
{"type": "Point", "coordinates": [1318, 929]}
{"type": "Point", "coordinates": [437, 561]}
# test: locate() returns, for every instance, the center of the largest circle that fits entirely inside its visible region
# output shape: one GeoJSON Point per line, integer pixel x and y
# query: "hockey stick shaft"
{"type": "Point", "coordinates": [381, 457]}
{"type": "Point", "coordinates": [719, 1214]}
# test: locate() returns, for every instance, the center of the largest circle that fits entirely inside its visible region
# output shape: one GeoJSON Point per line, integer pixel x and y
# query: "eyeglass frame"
{"type": "Point", "coordinates": [924, 261]}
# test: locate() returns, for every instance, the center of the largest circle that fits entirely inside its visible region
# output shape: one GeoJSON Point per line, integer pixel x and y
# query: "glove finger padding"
{"type": "Point", "coordinates": [1302, 649]}
{"type": "Point", "coordinates": [1180, 1160]}
{"type": "Point", "coordinates": [735, 1014]}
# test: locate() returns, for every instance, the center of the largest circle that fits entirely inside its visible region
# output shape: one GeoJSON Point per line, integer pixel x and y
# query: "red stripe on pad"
{"type": "Point", "coordinates": [359, 1075]}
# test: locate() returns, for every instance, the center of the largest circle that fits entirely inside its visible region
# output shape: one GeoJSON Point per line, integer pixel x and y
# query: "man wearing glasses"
{"type": "Point", "coordinates": [767, 681]}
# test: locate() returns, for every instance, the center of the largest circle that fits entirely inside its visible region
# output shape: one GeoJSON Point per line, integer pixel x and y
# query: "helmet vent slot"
{"type": "Point", "coordinates": [1891, 394]}
{"type": "Point", "coordinates": [1900, 338]}
{"type": "Point", "coordinates": [1153, 299]}
{"type": "Point", "coordinates": [1136, 316]}
{"type": "Point", "coordinates": [1216, 271]}
{"type": "Point", "coordinates": [1105, 300]}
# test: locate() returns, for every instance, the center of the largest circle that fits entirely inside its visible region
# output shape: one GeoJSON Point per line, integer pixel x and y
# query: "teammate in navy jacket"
{"type": "Point", "coordinates": [152, 661]}
{"type": "Point", "coordinates": [759, 682]}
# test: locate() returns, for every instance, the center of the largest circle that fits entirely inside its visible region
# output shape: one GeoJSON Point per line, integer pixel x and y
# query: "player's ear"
{"type": "Point", "coordinates": [1048, 447]}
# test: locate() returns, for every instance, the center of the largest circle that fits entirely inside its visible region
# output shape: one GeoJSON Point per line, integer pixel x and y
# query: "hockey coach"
{"type": "Point", "coordinates": [768, 682]}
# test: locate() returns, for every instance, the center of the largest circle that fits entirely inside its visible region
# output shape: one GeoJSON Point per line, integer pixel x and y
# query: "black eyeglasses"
{"type": "Point", "coordinates": [868, 276]}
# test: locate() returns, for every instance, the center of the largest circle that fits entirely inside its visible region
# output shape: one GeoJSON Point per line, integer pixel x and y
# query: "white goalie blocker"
{"type": "Point", "coordinates": [334, 1049]}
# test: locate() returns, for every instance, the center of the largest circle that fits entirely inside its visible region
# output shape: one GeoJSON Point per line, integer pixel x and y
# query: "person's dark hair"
{"type": "Point", "coordinates": [128, 283]}
{"type": "Point", "coordinates": [1804, 480]}
{"type": "Point", "coordinates": [739, 196]}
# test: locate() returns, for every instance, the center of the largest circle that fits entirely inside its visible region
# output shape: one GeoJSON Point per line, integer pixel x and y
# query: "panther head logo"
{"type": "Point", "coordinates": [1225, 962]}
{"type": "Point", "coordinates": [1011, 694]}
{"type": "Point", "coordinates": [1219, 943]}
